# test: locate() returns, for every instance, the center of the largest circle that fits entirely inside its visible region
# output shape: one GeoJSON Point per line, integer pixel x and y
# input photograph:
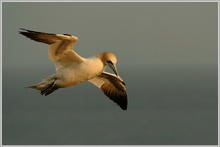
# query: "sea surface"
{"type": "Point", "coordinates": [177, 106]}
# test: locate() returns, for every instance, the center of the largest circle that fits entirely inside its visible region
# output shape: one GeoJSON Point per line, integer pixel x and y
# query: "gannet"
{"type": "Point", "coordinates": [72, 69]}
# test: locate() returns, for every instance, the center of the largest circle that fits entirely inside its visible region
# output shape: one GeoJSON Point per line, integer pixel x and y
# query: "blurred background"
{"type": "Point", "coordinates": [167, 55]}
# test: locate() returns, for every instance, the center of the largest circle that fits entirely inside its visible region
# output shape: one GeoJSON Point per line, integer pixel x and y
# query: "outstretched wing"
{"type": "Point", "coordinates": [113, 87]}
{"type": "Point", "coordinates": [60, 49]}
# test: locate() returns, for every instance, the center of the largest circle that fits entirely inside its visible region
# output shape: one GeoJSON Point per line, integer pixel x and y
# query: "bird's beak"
{"type": "Point", "coordinates": [113, 67]}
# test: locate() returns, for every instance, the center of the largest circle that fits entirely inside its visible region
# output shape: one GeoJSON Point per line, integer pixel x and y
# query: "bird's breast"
{"type": "Point", "coordinates": [77, 73]}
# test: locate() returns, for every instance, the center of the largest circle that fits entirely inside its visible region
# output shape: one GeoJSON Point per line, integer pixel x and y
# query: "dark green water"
{"type": "Point", "coordinates": [166, 106]}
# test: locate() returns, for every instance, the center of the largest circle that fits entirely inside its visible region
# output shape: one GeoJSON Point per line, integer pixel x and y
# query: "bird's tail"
{"type": "Point", "coordinates": [45, 87]}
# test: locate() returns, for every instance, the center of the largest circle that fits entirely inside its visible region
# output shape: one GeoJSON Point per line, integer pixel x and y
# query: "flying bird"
{"type": "Point", "coordinates": [72, 69]}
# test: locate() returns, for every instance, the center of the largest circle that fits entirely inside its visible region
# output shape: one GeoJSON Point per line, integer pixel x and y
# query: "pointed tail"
{"type": "Point", "coordinates": [46, 87]}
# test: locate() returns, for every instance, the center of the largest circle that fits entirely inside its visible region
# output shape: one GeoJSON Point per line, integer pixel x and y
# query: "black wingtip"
{"type": "Point", "coordinates": [125, 108]}
{"type": "Point", "coordinates": [121, 100]}
{"type": "Point", "coordinates": [124, 105]}
{"type": "Point", "coordinates": [27, 30]}
{"type": "Point", "coordinates": [23, 31]}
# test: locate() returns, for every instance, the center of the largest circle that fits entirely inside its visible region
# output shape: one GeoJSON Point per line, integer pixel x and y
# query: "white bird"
{"type": "Point", "coordinates": [72, 69]}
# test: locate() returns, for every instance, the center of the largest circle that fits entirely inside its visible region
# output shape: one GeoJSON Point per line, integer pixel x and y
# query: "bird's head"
{"type": "Point", "coordinates": [109, 59]}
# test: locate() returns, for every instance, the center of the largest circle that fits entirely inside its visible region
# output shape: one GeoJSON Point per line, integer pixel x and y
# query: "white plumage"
{"type": "Point", "coordinates": [72, 69]}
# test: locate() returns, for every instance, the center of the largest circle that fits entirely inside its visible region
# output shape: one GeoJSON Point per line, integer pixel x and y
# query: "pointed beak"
{"type": "Point", "coordinates": [113, 67]}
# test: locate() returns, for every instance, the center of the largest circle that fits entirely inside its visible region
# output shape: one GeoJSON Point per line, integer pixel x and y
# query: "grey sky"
{"type": "Point", "coordinates": [140, 34]}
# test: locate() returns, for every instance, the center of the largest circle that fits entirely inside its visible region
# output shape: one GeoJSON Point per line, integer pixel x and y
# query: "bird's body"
{"type": "Point", "coordinates": [72, 69]}
{"type": "Point", "coordinates": [72, 74]}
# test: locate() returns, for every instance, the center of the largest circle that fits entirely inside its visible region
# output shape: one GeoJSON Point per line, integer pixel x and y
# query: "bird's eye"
{"type": "Point", "coordinates": [109, 61]}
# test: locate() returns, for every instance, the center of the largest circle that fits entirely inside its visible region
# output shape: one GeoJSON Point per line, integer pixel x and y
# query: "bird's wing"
{"type": "Point", "coordinates": [60, 49]}
{"type": "Point", "coordinates": [113, 87]}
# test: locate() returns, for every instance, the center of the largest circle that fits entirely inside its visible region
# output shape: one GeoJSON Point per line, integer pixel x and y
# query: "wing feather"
{"type": "Point", "coordinates": [113, 87]}
{"type": "Point", "coordinates": [61, 46]}
{"type": "Point", "coordinates": [47, 38]}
